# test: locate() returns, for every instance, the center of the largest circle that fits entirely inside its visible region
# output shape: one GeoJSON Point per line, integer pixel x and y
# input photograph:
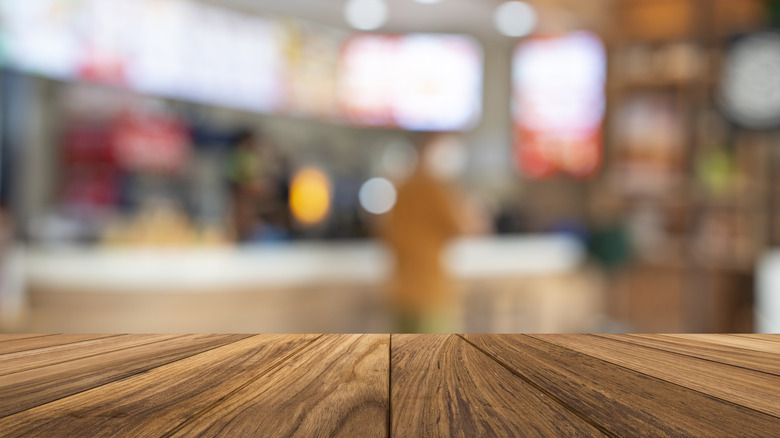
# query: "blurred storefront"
{"type": "Point", "coordinates": [209, 166]}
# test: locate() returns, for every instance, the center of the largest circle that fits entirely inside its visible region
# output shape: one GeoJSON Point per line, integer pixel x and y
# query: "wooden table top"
{"type": "Point", "coordinates": [399, 385]}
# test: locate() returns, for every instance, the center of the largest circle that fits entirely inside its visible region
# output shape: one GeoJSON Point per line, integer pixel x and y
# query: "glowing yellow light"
{"type": "Point", "coordinates": [310, 196]}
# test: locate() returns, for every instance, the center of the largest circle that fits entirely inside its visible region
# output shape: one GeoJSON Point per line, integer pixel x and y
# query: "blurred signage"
{"type": "Point", "coordinates": [90, 175]}
{"type": "Point", "coordinates": [558, 104]}
{"type": "Point", "coordinates": [198, 52]}
{"type": "Point", "coordinates": [150, 142]}
{"type": "Point", "coordinates": [229, 58]}
{"type": "Point", "coordinates": [174, 48]}
{"type": "Point", "coordinates": [311, 59]}
{"type": "Point", "coordinates": [416, 81]}
{"type": "Point", "coordinates": [41, 36]}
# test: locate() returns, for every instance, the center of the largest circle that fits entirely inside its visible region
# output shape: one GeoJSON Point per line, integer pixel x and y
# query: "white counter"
{"type": "Point", "coordinates": [192, 269]}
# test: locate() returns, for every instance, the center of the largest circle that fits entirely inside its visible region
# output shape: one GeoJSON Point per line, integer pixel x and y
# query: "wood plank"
{"type": "Point", "coordinates": [733, 341]}
{"type": "Point", "coordinates": [24, 344]}
{"type": "Point", "coordinates": [741, 357]}
{"type": "Point", "coordinates": [766, 337]}
{"type": "Point", "coordinates": [442, 386]}
{"type": "Point", "coordinates": [14, 337]}
{"type": "Point", "coordinates": [752, 389]}
{"type": "Point", "coordinates": [42, 385]}
{"type": "Point", "coordinates": [622, 401]}
{"type": "Point", "coordinates": [30, 359]}
{"type": "Point", "coordinates": [156, 402]}
{"type": "Point", "coordinates": [338, 386]}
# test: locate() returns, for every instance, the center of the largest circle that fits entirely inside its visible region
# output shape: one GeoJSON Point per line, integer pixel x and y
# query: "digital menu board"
{"type": "Point", "coordinates": [159, 63]}
{"type": "Point", "coordinates": [232, 59]}
{"type": "Point", "coordinates": [40, 36]}
{"type": "Point", "coordinates": [311, 62]}
{"type": "Point", "coordinates": [173, 48]}
{"type": "Point", "coordinates": [558, 104]}
{"type": "Point", "coordinates": [418, 81]}
{"type": "Point", "coordinates": [203, 53]}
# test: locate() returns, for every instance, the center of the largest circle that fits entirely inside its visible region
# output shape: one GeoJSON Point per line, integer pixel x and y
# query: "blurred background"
{"type": "Point", "coordinates": [238, 166]}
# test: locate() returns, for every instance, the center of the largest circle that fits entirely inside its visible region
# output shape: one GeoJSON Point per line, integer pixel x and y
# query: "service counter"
{"type": "Point", "coordinates": [504, 284]}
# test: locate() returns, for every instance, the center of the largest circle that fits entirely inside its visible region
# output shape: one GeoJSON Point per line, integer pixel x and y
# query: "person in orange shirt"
{"type": "Point", "coordinates": [424, 219]}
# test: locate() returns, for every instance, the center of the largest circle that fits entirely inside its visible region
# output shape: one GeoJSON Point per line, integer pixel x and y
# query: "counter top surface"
{"type": "Point", "coordinates": [389, 385]}
{"type": "Point", "coordinates": [290, 264]}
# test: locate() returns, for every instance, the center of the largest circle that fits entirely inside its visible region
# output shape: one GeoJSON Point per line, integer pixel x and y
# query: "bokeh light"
{"type": "Point", "coordinates": [366, 14]}
{"type": "Point", "coordinates": [399, 159]}
{"type": "Point", "coordinates": [377, 196]}
{"type": "Point", "coordinates": [310, 196]}
{"type": "Point", "coordinates": [515, 19]}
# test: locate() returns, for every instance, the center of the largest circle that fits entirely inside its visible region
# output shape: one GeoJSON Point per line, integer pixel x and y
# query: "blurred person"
{"type": "Point", "coordinates": [425, 218]}
{"type": "Point", "coordinates": [259, 179]}
{"type": "Point", "coordinates": [274, 200]}
{"type": "Point", "coordinates": [243, 167]}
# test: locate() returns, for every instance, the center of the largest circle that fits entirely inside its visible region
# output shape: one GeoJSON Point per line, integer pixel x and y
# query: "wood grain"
{"type": "Point", "coordinates": [338, 386]}
{"type": "Point", "coordinates": [622, 401]}
{"type": "Point", "coordinates": [756, 390]}
{"type": "Point", "coordinates": [156, 402]}
{"type": "Point", "coordinates": [42, 385]}
{"type": "Point", "coordinates": [24, 344]}
{"type": "Point", "coordinates": [14, 337]}
{"type": "Point", "coordinates": [375, 385]}
{"type": "Point", "coordinates": [442, 386]}
{"type": "Point", "coordinates": [756, 344]}
{"type": "Point", "coordinates": [60, 353]}
{"type": "Point", "coordinates": [741, 357]}
{"type": "Point", "coordinates": [765, 337]}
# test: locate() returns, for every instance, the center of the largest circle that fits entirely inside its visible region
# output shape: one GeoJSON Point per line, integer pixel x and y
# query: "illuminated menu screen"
{"type": "Point", "coordinates": [417, 81]}
{"type": "Point", "coordinates": [192, 51]}
{"type": "Point", "coordinates": [174, 48]}
{"type": "Point", "coordinates": [558, 104]}
{"type": "Point", "coordinates": [40, 36]}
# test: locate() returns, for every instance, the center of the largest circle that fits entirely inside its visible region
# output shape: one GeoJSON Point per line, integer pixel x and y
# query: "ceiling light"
{"type": "Point", "coordinates": [366, 14]}
{"type": "Point", "coordinates": [428, 2]}
{"type": "Point", "coordinates": [515, 18]}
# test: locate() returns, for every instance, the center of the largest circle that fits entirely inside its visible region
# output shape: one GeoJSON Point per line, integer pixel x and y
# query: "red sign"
{"type": "Point", "coordinates": [155, 143]}
{"type": "Point", "coordinates": [558, 104]}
